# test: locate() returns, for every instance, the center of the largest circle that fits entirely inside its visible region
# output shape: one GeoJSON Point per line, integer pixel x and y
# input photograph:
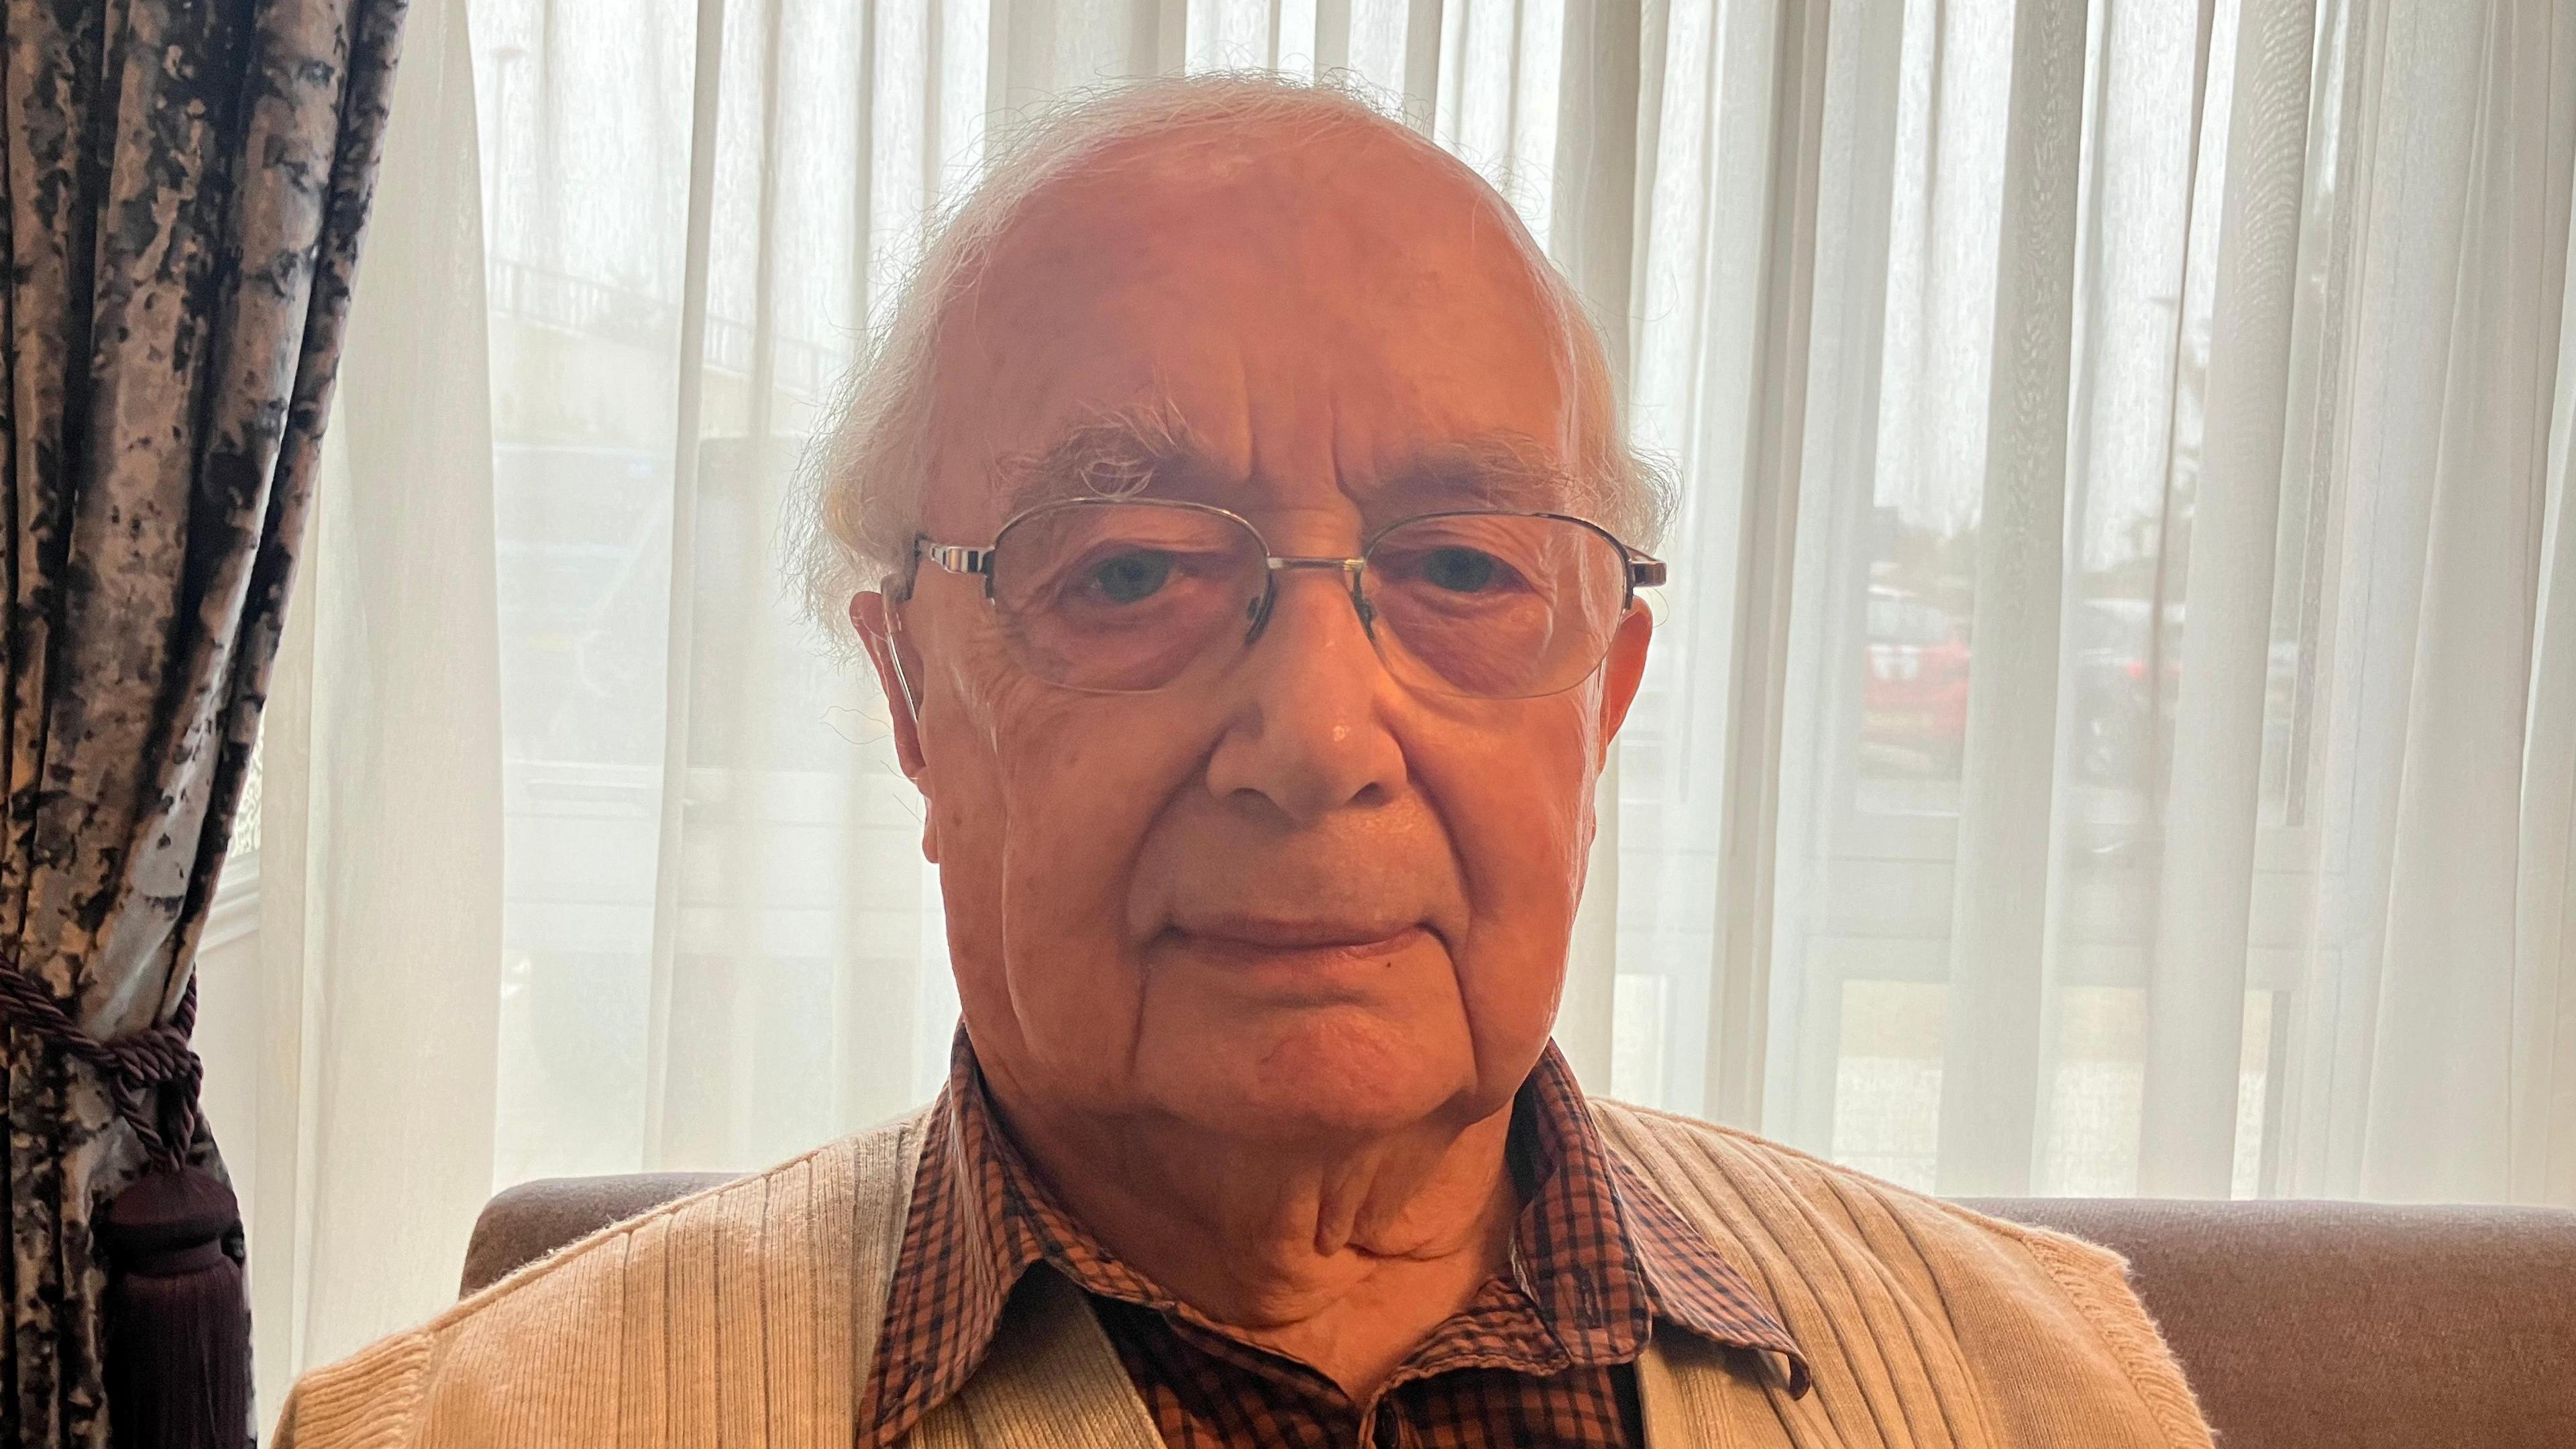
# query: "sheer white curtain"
{"type": "Point", "coordinates": [2171, 766]}
{"type": "Point", "coordinates": [2113, 727]}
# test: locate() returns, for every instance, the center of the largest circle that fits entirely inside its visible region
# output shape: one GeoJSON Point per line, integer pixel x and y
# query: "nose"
{"type": "Point", "coordinates": [1309, 732]}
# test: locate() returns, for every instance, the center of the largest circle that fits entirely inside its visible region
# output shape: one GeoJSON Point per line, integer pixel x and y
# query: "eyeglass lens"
{"type": "Point", "coordinates": [1128, 597]}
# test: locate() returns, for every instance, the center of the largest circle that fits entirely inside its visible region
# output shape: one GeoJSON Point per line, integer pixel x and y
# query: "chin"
{"type": "Point", "coordinates": [1321, 1073]}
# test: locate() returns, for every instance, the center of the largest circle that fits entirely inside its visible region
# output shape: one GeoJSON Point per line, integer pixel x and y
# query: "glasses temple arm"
{"type": "Point", "coordinates": [957, 558]}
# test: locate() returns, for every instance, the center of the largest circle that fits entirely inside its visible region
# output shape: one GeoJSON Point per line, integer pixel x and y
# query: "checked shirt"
{"type": "Point", "coordinates": [1545, 1357]}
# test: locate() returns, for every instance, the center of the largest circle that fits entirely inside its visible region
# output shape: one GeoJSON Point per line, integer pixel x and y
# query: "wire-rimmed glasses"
{"type": "Point", "coordinates": [1127, 596]}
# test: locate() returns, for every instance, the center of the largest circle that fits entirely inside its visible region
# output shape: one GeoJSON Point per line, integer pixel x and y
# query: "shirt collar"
{"type": "Point", "coordinates": [1604, 1256]}
{"type": "Point", "coordinates": [1598, 1253]}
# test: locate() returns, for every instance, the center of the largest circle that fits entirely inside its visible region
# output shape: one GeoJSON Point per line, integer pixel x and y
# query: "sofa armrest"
{"type": "Point", "coordinates": [2352, 1325]}
{"type": "Point", "coordinates": [524, 1223]}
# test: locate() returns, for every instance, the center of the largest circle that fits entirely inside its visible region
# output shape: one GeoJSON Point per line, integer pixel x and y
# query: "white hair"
{"type": "Point", "coordinates": [862, 491]}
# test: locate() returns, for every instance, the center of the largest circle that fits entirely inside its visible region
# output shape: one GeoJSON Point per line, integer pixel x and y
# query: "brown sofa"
{"type": "Point", "coordinates": [2303, 1325]}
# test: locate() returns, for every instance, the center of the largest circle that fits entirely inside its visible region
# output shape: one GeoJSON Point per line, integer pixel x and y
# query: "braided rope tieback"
{"type": "Point", "coordinates": [135, 1067]}
{"type": "Point", "coordinates": [174, 1324]}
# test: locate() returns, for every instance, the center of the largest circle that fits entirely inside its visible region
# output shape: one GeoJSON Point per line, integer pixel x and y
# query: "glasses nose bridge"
{"type": "Point", "coordinates": [1275, 564]}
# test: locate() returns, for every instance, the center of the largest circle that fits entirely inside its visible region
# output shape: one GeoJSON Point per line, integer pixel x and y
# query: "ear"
{"type": "Point", "coordinates": [1623, 671]}
{"type": "Point", "coordinates": [898, 664]}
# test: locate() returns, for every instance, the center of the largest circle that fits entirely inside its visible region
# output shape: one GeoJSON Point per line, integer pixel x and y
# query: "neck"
{"type": "Point", "coordinates": [1343, 1257]}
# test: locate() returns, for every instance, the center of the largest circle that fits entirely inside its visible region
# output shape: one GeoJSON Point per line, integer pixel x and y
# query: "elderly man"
{"type": "Point", "coordinates": [1248, 549]}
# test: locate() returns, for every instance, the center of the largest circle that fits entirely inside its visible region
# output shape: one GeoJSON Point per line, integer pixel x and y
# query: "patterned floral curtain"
{"type": "Point", "coordinates": [185, 185]}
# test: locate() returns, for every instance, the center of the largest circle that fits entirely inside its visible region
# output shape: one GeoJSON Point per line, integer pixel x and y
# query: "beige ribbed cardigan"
{"type": "Point", "coordinates": [745, 1316]}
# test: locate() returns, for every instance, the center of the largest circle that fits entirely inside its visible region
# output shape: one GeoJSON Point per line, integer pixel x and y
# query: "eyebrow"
{"type": "Point", "coordinates": [1149, 450]}
{"type": "Point", "coordinates": [1116, 454]}
{"type": "Point", "coordinates": [1498, 468]}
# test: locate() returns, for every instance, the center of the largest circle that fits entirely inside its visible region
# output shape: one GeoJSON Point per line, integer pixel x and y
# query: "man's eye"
{"type": "Point", "coordinates": [1130, 576]}
{"type": "Point", "coordinates": [1459, 570]}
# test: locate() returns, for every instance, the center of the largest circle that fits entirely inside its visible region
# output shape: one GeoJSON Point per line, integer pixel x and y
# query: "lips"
{"type": "Point", "coordinates": [1267, 934]}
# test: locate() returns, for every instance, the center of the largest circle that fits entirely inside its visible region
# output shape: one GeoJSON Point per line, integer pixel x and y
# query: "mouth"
{"type": "Point", "coordinates": [1274, 942]}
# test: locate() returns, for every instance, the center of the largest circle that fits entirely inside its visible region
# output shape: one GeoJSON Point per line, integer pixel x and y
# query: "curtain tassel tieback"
{"type": "Point", "coordinates": [177, 1329]}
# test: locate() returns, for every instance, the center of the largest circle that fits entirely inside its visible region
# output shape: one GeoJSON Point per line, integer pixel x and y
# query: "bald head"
{"type": "Point", "coordinates": [1187, 274]}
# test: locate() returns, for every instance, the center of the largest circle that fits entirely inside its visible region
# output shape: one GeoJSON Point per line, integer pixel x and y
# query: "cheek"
{"type": "Point", "coordinates": [1077, 802]}
{"type": "Point", "coordinates": [1080, 782]}
{"type": "Point", "coordinates": [1516, 794]}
